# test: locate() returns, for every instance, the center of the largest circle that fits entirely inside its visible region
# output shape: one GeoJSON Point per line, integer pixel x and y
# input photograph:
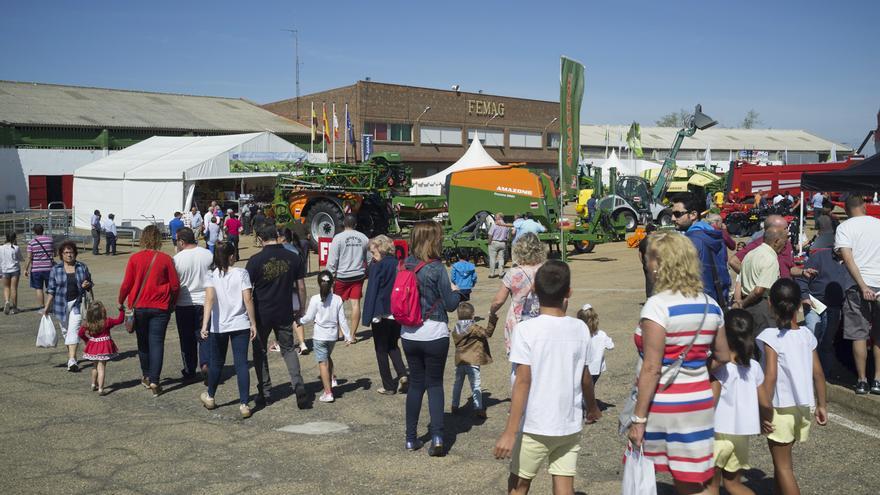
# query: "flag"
{"type": "Point", "coordinates": [314, 123]}
{"type": "Point", "coordinates": [708, 156]}
{"type": "Point", "coordinates": [634, 139]}
{"type": "Point", "coordinates": [571, 95]}
{"type": "Point", "coordinates": [607, 137]}
{"type": "Point", "coordinates": [348, 127]}
{"type": "Point", "coordinates": [335, 125]}
{"type": "Point", "coordinates": [326, 127]}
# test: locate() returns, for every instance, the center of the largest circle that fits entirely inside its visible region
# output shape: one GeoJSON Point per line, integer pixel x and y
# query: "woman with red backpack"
{"type": "Point", "coordinates": [425, 333]}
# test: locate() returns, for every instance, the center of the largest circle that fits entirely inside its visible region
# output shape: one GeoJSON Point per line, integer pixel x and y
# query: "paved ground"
{"type": "Point", "coordinates": [58, 437]}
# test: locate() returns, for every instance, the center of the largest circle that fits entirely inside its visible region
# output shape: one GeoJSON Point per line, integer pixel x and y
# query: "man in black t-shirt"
{"type": "Point", "coordinates": [275, 273]}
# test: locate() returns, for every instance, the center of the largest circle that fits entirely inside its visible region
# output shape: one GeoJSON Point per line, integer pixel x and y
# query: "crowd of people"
{"type": "Point", "coordinates": [720, 359]}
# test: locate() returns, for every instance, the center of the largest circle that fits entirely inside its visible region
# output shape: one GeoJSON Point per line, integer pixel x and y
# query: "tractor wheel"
{"type": "Point", "coordinates": [582, 247]}
{"type": "Point", "coordinates": [628, 219]}
{"type": "Point", "coordinates": [664, 219]}
{"type": "Point", "coordinates": [324, 219]}
{"type": "Point", "coordinates": [372, 220]}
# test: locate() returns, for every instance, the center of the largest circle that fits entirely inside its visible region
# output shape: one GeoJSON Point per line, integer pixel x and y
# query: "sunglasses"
{"type": "Point", "coordinates": [679, 214]}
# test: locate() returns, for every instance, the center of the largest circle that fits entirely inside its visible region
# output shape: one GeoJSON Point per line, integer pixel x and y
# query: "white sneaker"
{"type": "Point", "coordinates": [333, 382]}
{"type": "Point", "coordinates": [71, 365]}
{"type": "Point", "coordinates": [325, 397]}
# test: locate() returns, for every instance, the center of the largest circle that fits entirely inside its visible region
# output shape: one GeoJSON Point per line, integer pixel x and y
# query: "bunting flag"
{"type": "Point", "coordinates": [326, 128]}
{"type": "Point", "coordinates": [571, 95]}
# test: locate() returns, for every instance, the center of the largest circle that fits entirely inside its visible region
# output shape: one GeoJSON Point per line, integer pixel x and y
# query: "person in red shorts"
{"type": "Point", "coordinates": [347, 261]}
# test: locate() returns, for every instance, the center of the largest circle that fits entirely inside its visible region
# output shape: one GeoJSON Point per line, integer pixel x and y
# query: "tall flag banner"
{"type": "Point", "coordinates": [349, 132]}
{"type": "Point", "coordinates": [634, 139]}
{"type": "Point", "coordinates": [607, 140]}
{"type": "Point", "coordinates": [325, 129]}
{"type": "Point", "coordinates": [314, 129]}
{"type": "Point", "coordinates": [335, 131]}
{"type": "Point", "coordinates": [571, 95]}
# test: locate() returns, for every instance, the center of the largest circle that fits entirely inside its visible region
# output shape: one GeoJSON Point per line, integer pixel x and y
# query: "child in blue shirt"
{"type": "Point", "coordinates": [464, 276]}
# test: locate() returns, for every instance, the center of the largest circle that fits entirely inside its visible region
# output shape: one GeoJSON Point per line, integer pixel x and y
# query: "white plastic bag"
{"type": "Point", "coordinates": [47, 336]}
{"type": "Point", "coordinates": [638, 474]}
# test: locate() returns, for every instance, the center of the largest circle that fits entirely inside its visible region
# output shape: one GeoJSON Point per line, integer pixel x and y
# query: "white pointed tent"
{"type": "Point", "coordinates": [158, 176]}
{"type": "Point", "coordinates": [475, 157]}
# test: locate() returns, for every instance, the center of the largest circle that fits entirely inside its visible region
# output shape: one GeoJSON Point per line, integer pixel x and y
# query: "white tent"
{"type": "Point", "coordinates": [475, 157]}
{"type": "Point", "coordinates": [158, 176]}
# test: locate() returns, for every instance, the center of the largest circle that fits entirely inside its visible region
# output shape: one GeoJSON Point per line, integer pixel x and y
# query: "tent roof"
{"type": "Point", "coordinates": [861, 177]}
{"type": "Point", "coordinates": [172, 158]}
{"type": "Point", "coordinates": [475, 157]}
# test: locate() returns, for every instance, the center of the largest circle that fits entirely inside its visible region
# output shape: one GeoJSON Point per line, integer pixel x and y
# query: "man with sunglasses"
{"type": "Point", "coordinates": [709, 243]}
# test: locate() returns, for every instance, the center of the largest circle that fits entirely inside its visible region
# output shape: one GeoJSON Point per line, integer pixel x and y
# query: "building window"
{"type": "Point", "coordinates": [488, 137]}
{"type": "Point", "coordinates": [553, 140]}
{"type": "Point", "coordinates": [524, 139]}
{"type": "Point", "coordinates": [440, 135]}
{"type": "Point", "coordinates": [389, 132]}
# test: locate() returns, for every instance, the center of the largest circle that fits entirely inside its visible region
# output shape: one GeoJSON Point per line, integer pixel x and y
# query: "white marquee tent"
{"type": "Point", "coordinates": [158, 176]}
{"type": "Point", "coordinates": [475, 157]}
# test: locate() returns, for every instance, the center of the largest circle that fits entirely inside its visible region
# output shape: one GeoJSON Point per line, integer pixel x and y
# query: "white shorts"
{"type": "Point", "coordinates": [71, 323]}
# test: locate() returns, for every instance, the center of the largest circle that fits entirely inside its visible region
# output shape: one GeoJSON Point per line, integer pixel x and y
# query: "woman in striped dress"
{"type": "Point", "coordinates": [674, 412]}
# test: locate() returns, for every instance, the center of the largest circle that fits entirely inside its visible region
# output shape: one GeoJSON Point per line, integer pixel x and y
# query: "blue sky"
{"type": "Point", "coordinates": [801, 64]}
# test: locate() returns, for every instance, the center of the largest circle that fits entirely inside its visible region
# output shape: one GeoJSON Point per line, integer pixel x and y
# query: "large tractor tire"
{"type": "Point", "coordinates": [665, 218]}
{"type": "Point", "coordinates": [628, 218]}
{"type": "Point", "coordinates": [324, 220]}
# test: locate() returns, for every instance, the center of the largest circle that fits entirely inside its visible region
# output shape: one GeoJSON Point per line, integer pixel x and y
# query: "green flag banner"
{"type": "Point", "coordinates": [571, 95]}
{"type": "Point", "coordinates": [634, 139]}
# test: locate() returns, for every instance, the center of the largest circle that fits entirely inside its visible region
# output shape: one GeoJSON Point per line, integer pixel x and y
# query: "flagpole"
{"type": "Point", "coordinates": [324, 128]}
{"type": "Point", "coordinates": [312, 125]}
{"type": "Point", "coordinates": [345, 139]}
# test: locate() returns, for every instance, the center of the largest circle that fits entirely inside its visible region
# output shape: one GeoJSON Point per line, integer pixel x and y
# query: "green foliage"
{"type": "Point", "coordinates": [673, 119]}
{"type": "Point", "coordinates": [751, 120]}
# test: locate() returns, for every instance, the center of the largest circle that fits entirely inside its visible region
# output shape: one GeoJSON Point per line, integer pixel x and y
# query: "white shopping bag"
{"type": "Point", "coordinates": [47, 336]}
{"type": "Point", "coordinates": [638, 474]}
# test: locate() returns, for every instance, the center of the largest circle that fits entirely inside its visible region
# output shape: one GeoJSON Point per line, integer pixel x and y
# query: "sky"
{"type": "Point", "coordinates": [803, 64]}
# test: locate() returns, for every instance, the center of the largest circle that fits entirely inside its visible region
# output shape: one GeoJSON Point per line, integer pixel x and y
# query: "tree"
{"type": "Point", "coordinates": [673, 119]}
{"type": "Point", "coordinates": [751, 120]}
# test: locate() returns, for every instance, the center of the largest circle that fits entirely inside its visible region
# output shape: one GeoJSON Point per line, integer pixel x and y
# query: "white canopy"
{"type": "Point", "coordinates": [475, 157]}
{"type": "Point", "coordinates": [157, 176]}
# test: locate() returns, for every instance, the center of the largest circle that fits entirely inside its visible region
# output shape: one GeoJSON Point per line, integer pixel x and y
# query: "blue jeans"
{"type": "Point", "coordinates": [233, 239]}
{"type": "Point", "coordinates": [194, 351]}
{"type": "Point", "coordinates": [473, 375]}
{"type": "Point", "coordinates": [824, 327]}
{"type": "Point", "coordinates": [150, 325]}
{"type": "Point", "coordinates": [218, 343]}
{"type": "Point", "coordinates": [426, 360]}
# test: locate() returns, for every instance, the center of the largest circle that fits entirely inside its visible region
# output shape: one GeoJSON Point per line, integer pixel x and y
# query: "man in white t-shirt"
{"type": "Point", "coordinates": [858, 242]}
{"type": "Point", "coordinates": [192, 263]}
{"type": "Point", "coordinates": [552, 381]}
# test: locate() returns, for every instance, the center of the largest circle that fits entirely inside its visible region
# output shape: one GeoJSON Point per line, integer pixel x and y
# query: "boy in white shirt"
{"type": "Point", "coordinates": [552, 381]}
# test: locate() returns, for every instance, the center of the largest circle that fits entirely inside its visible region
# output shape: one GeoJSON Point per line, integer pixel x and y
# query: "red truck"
{"type": "Point", "coordinates": [746, 179]}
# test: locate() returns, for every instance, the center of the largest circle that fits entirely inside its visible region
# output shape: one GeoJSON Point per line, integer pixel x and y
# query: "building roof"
{"type": "Point", "coordinates": [715, 138]}
{"type": "Point", "coordinates": [36, 104]}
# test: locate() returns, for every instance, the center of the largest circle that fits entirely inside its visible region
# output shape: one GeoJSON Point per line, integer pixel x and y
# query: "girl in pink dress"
{"type": "Point", "coordinates": [100, 347]}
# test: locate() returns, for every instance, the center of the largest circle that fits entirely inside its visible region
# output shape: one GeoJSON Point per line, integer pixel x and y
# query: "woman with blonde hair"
{"type": "Point", "coordinates": [673, 414]}
{"type": "Point", "coordinates": [427, 345]}
{"type": "Point", "coordinates": [528, 253]}
{"type": "Point", "coordinates": [150, 285]}
{"type": "Point", "coordinates": [377, 314]}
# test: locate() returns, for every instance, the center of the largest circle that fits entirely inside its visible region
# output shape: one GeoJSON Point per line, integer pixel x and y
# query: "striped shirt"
{"type": "Point", "coordinates": [40, 251]}
{"type": "Point", "coordinates": [680, 429]}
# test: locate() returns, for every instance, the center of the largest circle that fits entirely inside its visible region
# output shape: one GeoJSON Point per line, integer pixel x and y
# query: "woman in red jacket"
{"type": "Point", "coordinates": [150, 288]}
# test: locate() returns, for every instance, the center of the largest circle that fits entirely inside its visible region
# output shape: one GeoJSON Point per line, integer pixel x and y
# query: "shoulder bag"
{"type": "Point", "coordinates": [129, 313]}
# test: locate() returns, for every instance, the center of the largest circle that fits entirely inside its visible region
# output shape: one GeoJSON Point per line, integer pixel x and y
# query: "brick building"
{"type": "Point", "coordinates": [431, 128]}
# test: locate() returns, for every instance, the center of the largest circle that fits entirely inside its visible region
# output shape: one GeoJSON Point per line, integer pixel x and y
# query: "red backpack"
{"type": "Point", "coordinates": [405, 304]}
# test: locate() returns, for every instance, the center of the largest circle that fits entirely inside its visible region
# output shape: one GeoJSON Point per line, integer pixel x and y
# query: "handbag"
{"type": "Point", "coordinates": [625, 417]}
{"type": "Point", "coordinates": [129, 313]}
